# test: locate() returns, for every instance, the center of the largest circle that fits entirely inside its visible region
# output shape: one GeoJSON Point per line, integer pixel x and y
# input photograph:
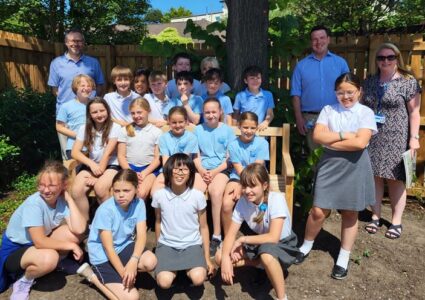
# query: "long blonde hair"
{"type": "Point", "coordinates": [143, 104]}
{"type": "Point", "coordinates": [401, 68]}
{"type": "Point", "coordinates": [252, 175]}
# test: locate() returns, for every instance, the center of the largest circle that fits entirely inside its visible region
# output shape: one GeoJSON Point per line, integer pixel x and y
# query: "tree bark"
{"type": "Point", "coordinates": [246, 38]}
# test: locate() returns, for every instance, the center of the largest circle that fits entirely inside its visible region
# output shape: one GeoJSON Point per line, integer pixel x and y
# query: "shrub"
{"type": "Point", "coordinates": [28, 119]}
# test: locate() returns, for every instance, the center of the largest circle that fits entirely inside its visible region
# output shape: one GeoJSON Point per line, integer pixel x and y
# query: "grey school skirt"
{"type": "Point", "coordinates": [344, 180]}
{"type": "Point", "coordinates": [285, 250]}
{"type": "Point", "coordinates": [172, 259]}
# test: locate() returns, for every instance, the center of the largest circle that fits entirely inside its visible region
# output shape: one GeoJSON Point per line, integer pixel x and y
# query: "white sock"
{"type": "Point", "coordinates": [306, 247]}
{"type": "Point", "coordinates": [217, 237]}
{"type": "Point", "coordinates": [343, 258]}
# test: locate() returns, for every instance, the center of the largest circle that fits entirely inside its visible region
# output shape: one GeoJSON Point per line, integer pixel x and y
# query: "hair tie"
{"type": "Point", "coordinates": [262, 207]}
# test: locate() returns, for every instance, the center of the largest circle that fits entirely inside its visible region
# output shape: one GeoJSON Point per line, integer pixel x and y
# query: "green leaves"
{"type": "Point", "coordinates": [47, 19]}
{"type": "Point", "coordinates": [6, 149]}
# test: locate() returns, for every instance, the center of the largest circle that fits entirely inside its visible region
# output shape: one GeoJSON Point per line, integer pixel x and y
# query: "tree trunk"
{"type": "Point", "coordinates": [246, 39]}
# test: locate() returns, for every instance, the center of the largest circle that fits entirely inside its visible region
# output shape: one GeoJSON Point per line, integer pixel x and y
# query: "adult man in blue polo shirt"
{"type": "Point", "coordinates": [64, 68]}
{"type": "Point", "coordinates": [312, 83]}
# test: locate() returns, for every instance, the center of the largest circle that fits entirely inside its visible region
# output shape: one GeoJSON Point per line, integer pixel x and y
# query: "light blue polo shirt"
{"type": "Point", "coordinates": [226, 104]}
{"type": "Point", "coordinates": [172, 91]}
{"type": "Point", "coordinates": [213, 144]}
{"type": "Point", "coordinates": [122, 224]}
{"type": "Point", "coordinates": [195, 102]}
{"type": "Point", "coordinates": [313, 81]}
{"type": "Point", "coordinates": [63, 70]}
{"type": "Point", "coordinates": [179, 217]}
{"type": "Point", "coordinates": [258, 104]}
{"type": "Point", "coordinates": [170, 144]}
{"type": "Point", "coordinates": [35, 212]}
{"type": "Point", "coordinates": [73, 114]}
{"type": "Point", "coordinates": [247, 153]}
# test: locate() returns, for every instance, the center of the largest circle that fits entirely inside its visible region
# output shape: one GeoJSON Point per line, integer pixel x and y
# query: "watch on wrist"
{"type": "Point", "coordinates": [415, 136]}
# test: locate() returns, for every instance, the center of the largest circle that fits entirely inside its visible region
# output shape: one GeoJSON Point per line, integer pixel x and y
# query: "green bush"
{"type": "Point", "coordinates": [28, 119]}
{"type": "Point", "coordinates": [23, 186]}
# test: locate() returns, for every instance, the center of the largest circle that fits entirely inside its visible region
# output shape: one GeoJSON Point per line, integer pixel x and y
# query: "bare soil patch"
{"type": "Point", "coordinates": [379, 269]}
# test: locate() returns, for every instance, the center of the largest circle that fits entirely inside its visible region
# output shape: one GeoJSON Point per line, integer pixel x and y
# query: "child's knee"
{"type": "Point", "coordinates": [227, 205]}
{"type": "Point", "coordinates": [48, 260]}
{"type": "Point", "coordinates": [149, 261]}
{"type": "Point", "coordinates": [164, 281]}
{"type": "Point", "coordinates": [198, 276]}
{"type": "Point", "coordinates": [133, 294]}
{"type": "Point", "coordinates": [318, 214]}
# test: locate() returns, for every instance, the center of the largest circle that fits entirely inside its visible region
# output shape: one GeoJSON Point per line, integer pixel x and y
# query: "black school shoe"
{"type": "Point", "coordinates": [300, 257]}
{"type": "Point", "coordinates": [339, 272]}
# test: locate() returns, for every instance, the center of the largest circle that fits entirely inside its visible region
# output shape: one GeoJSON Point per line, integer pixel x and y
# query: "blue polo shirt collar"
{"type": "Point", "coordinates": [70, 59]}
{"type": "Point", "coordinates": [249, 94]}
{"type": "Point", "coordinates": [328, 54]}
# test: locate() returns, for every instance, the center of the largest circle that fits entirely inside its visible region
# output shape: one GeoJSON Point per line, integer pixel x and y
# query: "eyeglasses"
{"type": "Point", "coordinates": [342, 94]}
{"type": "Point", "coordinates": [181, 170]}
{"type": "Point", "coordinates": [389, 57]}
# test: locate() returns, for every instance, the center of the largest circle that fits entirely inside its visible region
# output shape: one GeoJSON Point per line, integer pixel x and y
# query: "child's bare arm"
{"type": "Point", "coordinates": [76, 222]}
{"type": "Point", "coordinates": [157, 223]}
{"type": "Point", "coordinates": [267, 120]}
{"type": "Point", "coordinates": [203, 227]}
{"type": "Point", "coordinates": [236, 116]}
{"type": "Point", "coordinates": [108, 245]}
{"type": "Point", "coordinates": [122, 155]}
{"type": "Point", "coordinates": [61, 128]}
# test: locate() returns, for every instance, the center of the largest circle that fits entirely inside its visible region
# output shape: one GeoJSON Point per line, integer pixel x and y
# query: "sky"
{"type": "Point", "coordinates": [195, 6]}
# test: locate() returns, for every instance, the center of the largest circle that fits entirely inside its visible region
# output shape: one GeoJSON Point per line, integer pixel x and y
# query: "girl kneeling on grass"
{"type": "Point", "coordinates": [273, 244]}
{"type": "Point", "coordinates": [181, 227]}
{"type": "Point", "coordinates": [113, 253]}
{"type": "Point", "coordinates": [43, 228]}
{"type": "Point", "coordinates": [99, 138]}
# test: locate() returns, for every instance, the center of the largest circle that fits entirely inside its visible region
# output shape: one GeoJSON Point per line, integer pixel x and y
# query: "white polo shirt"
{"type": "Point", "coordinates": [179, 217]}
{"type": "Point", "coordinates": [157, 106]}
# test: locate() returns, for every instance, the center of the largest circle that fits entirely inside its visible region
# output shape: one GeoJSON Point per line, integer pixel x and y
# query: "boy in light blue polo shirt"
{"type": "Point", "coordinates": [213, 80]}
{"type": "Point", "coordinates": [254, 99]}
{"type": "Point", "coordinates": [182, 62]}
{"type": "Point", "coordinates": [192, 103]}
{"type": "Point", "coordinates": [72, 114]}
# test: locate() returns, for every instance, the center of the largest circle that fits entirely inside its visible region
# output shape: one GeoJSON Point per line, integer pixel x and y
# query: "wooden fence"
{"type": "Point", "coordinates": [24, 62]}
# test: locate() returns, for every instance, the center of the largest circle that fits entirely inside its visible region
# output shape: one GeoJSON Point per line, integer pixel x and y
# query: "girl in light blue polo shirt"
{"type": "Point", "coordinates": [176, 140]}
{"type": "Point", "coordinates": [45, 226]}
{"type": "Point", "coordinates": [117, 239]}
{"type": "Point", "coordinates": [246, 149]}
{"type": "Point", "coordinates": [181, 227]}
{"type": "Point", "coordinates": [214, 138]}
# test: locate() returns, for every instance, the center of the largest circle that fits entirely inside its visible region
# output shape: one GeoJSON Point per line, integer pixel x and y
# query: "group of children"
{"type": "Point", "coordinates": [126, 158]}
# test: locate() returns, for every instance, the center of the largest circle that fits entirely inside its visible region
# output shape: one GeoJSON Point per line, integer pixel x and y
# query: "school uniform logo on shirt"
{"type": "Point", "coordinates": [130, 224]}
{"type": "Point", "coordinates": [222, 140]}
{"type": "Point", "coordinates": [182, 146]}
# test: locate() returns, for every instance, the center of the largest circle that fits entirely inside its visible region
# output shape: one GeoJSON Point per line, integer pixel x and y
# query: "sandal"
{"type": "Point", "coordinates": [394, 231]}
{"type": "Point", "coordinates": [373, 226]}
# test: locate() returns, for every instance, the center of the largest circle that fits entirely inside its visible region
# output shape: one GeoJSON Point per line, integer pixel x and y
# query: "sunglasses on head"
{"type": "Point", "coordinates": [389, 57]}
